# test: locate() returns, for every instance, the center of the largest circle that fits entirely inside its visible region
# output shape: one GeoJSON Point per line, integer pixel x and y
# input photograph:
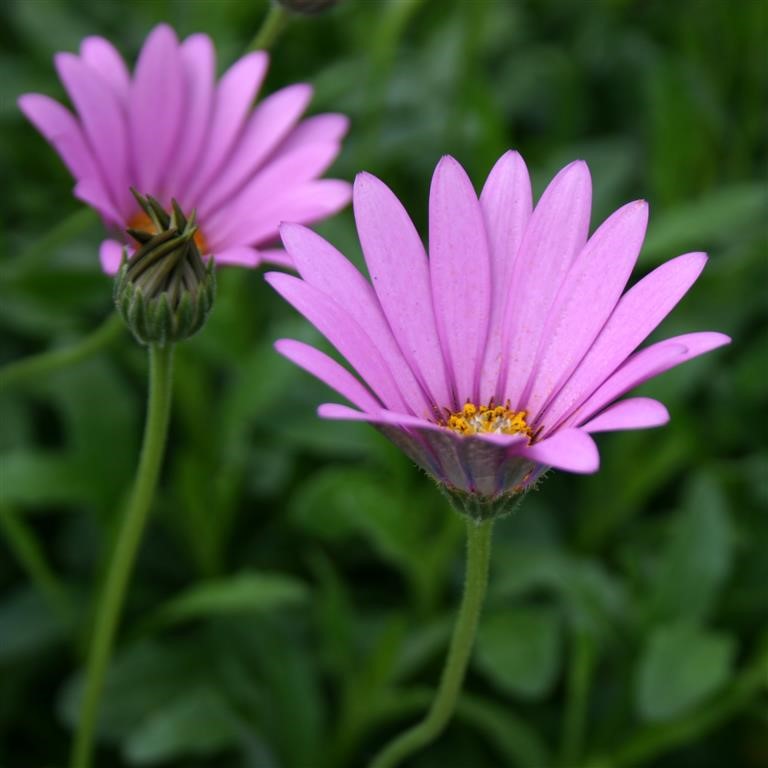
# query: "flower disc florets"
{"type": "Point", "coordinates": [488, 420]}
{"type": "Point", "coordinates": [164, 292]}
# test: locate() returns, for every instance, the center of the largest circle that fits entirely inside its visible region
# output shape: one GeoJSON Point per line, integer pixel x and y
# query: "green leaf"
{"type": "Point", "coordinates": [711, 220]}
{"type": "Point", "coordinates": [196, 724]}
{"type": "Point", "coordinates": [163, 671]}
{"type": "Point", "coordinates": [591, 596]}
{"type": "Point", "coordinates": [519, 650]}
{"type": "Point", "coordinates": [681, 666]}
{"type": "Point", "coordinates": [27, 625]}
{"type": "Point", "coordinates": [697, 557]}
{"type": "Point", "coordinates": [246, 592]}
{"type": "Point", "coordinates": [38, 477]}
{"type": "Point", "coordinates": [338, 503]}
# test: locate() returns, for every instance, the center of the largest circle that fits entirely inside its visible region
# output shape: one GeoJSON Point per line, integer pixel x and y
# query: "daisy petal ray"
{"type": "Point", "coordinates": [173, 131]}
{"type": "Point", "coordinates": [485, 369]}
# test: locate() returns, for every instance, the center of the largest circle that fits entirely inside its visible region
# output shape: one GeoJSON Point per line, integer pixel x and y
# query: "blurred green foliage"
{"type": "Point", "coordinates": [295, 590]}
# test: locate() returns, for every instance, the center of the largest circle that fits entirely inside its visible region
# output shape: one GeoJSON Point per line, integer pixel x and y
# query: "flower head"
{"type": "Point", "coordinates": [165, 292]}
{"type": "Point", "coordinates": [499, 354]}
{"type": "Point", "coordinates": [171, 131]}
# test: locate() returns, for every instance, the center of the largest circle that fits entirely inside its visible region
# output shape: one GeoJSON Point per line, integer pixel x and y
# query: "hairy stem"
{"type": "Point", "coordinates": [444, 703]}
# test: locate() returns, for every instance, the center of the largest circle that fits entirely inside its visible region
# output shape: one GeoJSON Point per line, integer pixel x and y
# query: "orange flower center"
{"type": "Point", "coordinates": [495, 419]}
{"type": "Point", "coordinates": [143, 222]}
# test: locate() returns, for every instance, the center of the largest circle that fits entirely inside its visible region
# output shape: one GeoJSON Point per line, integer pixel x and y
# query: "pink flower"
{"type": "Point", "coordinates": [500, 354]}
{"type": "Point", "coordinates": [171, 130]}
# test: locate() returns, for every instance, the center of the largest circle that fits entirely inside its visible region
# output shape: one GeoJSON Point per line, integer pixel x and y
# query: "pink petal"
{"type": "Point", "coordinates": [638, 312]}
{"type": "Point", "coordinates": [110, 256]}
{"type": "Point", "coordinates": [156, 104]}
{"type": "Point", "coordinates": [103, 124]}
{"type": "Point", "coordinates": [377, 416]}
{"type": "Point", "coordinates": [277, 256]}
{"type": "Point", "coordinates": [323, 267]}
{"type": "Point", "coordinates": [60, 128]}
{"type": "Point", "coordinates": [404, 431]}
{"type": "Point", "coordinates": [635, 413]}
{"type": "Point", "coordinates": [268, 125]}
{"type": "Point", "coordinates": [460, 271]}
{"type": "Point", "coordinates": [506, 204]}
{"type": "Point", "coordinates": [557, 231]}
{"type": "Point", "coordinates": [91, 192]}
{"type": "Point", "coordinates": [312, 201]}
{"type": "Point", "coordinates": [589, 294]}
{"type": "Point", "coordinates": [329, 372]}
{"type": "Point", "coordinates": [102, 57]}
{"type": "Point", "coordinates": [234, 97]}
{"type": "Point", "coordinates": [646, 364]}
{"type": "Point", "coordinates": [343, 332]}
{"type": "Point", "coordinates": [255, 214]}
{"type": "Point", "coordinates": [319, 129]}
{"type": "Point", "coordinates": [398, 268]}
{"type": "Point", "coordinates": [570, 449]}
{"type": "Point", "coordinates": [239, 256]}
{"type": "Point", "coordinates": [198, 61]}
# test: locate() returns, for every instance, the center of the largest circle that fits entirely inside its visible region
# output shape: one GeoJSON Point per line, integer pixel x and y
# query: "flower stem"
{"type": "Point", "coordinates": [274, 23]}
{"type": "Point", "coordinates": [110, 603]}
{"type": "Point", "coordinates": [46, 362]}
{"type": "Point", "coordinates": [444, 703]}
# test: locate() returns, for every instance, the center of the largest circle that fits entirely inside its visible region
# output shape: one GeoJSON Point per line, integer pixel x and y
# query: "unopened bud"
{"type": "Point", "coordinates": [164, 292]}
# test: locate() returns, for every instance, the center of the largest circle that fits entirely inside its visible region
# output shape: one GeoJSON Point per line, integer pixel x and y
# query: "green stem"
{"type": "Point", "coordinates": [444, 703]}
{"type": "Point", "coordinates": [24, 545]}
{"type": "Point", "coordinates": [274, 23]}
{"type": "Point", "coordinates": [579, 679]}
{"type": "Point", "coordinates": [110, 603]}
{"type": "Point", "coordinates": [46, 362]}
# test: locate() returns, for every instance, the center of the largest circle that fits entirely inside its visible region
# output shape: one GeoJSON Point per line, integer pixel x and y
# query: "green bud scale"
{"type": "Point", "coordinates": [165, 291]}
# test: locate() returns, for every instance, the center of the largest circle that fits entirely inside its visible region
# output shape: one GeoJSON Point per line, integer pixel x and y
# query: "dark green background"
{"type": "Point", "coordinates": [293, 595]}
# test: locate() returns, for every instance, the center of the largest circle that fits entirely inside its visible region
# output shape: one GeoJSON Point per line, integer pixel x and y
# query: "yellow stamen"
{"type": "Point", "coordinates": [143, 222]}
{"type": "Point", "coordinates": [490, 419]}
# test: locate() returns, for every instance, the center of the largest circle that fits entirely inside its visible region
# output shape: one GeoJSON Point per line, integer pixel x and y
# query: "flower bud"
{"type": "Point", "coordinates": [307, 7]}
{"type": "Point", "coordinates": [164, 292]}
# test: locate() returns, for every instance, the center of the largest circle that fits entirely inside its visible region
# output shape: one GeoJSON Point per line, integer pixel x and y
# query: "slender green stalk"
{"type": "Point", "coordinates": [582, 658]}
{"type": "Point", "coordinates": [444, 703]}
{"type": "Point", "coordinates": [25, 547]}
{"type": "Point", "coordinates": [274, 23]}
{"type": "Point", "coordinates": [129, 535]}
{"type": "Point", "coordinates": [36, 366]}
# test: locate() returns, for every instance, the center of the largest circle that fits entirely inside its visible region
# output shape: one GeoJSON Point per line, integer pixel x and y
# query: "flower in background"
{"type": "Point", "coordinates": [171, 130]}
{"type": "Point", "coordinates": [502, 352]}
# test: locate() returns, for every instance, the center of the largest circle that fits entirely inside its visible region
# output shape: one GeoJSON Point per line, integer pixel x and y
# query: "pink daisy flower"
{"type": "Point", "coordinates": [171, 131]}
{"type": "Point", "coordinates": [498, 355]}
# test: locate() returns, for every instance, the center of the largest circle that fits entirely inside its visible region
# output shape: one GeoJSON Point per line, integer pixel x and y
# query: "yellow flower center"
{"type": "Point", "coordinates": [143, 222]}
{"type": "Point", "coordinates": [495, 419]}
